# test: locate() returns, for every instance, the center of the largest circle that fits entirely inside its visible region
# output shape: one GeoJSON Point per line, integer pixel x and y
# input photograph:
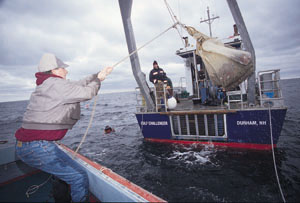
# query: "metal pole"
{"type": "Point", "coordinates": [238, 18]}
{"type": "Point", "coordinates": [209, 23]}
{"type": "Point", "coordinates": [140, 77]}
{"type": "Point", "coordinates": [196, 74]}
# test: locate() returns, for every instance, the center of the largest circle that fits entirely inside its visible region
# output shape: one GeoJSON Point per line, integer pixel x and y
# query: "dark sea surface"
{"type": "Point", "coordinates": [181, 173]}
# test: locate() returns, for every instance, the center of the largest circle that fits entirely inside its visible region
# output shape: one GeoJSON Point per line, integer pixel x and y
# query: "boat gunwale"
{"type": "Point", "coordinates": [121, 180]}
{"type": "Point", "coordinates": [198, 112]}
{"type": "Point", "coordinates": [221, 111]}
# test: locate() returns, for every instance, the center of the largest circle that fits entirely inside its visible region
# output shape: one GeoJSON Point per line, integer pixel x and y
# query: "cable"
{"type": "Point", "coordinates": [274, 160]}
{"type": "Point", "coordinates": [175, 20]}
{"type": "Point", "coordinates": [173, 26]}
{"type": "Point", "coordinates": [34, 188]}
{"type": "Point", "coordinates": [96, 97]}
{"type": "Point", "coordinates": [179, 15]}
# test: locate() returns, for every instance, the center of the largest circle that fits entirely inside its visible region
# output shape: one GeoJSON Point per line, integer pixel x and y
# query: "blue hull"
{"type": "Point", "coordinates": [243, 126]}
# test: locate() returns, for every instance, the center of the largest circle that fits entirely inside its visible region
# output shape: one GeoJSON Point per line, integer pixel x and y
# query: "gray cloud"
{"type": "Point", "coordinates": [89, 36]}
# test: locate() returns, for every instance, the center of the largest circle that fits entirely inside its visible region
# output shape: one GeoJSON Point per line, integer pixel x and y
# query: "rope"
{"type": "Point", "coordinates": [179, 15]}
{"type": "Point", "coordinates": [3, 141]}
{"type": "Point", "coordinates": [273, 154]}
{"type": "Point", "coordinates": [175, 20]}
{"type": "Point", "coordinates": [173, 26]}
{"type": "Point", "coordinates": [116, 64]}
{"type": "Point", "coordinates": [34, 188]}
{"type": "Point", "coordinates": [89, 125]}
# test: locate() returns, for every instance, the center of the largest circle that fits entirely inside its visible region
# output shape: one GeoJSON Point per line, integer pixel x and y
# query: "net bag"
{"type": "Point", "coordinates": [226, 67]}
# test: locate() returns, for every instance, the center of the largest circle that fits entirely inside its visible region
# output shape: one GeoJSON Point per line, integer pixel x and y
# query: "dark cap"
{"type": "Point", "coordinates": [155, 62]}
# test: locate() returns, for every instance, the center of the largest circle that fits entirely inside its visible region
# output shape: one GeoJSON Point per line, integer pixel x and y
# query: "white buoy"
{"type": "Point", "coordinates": [172, 103]}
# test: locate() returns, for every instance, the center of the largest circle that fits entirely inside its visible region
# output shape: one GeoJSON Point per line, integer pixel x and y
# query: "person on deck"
{"type": "Point", "coordinates": [53, 109]}
{"type": "Point", "coordinates": [158, 77]}
{"type": "Point", "coordinates": [169, 87]}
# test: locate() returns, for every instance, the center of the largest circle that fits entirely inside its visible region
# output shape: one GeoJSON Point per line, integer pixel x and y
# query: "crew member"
{"type": "Point", "coordinates": [158, 77]}
{"type": "Point", "coordinates": [108, 130]}
{"type": "Point", "coordinates": [201, 76]}
{"type": "Point", "coordinates": [53, 109]}
{"type": "Point", "coordinates": [169, 87]}
{"type": "Point", "coordinates": [235, 30]}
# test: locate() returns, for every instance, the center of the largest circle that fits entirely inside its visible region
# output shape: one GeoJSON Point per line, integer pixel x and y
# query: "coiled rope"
{"type": "Point", "coordinates": [33, 188]}
{"type": "Point", "coordinates": [116, 64]}
{"type": "Point", "coordinates": [273, 154]}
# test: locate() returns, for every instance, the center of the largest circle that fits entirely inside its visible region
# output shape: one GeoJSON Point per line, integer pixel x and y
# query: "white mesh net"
{"type": "Point", "coordinates": [227, 67]}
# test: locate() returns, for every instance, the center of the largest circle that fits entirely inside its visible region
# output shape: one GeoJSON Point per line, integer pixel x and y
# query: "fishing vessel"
{"type": "Point", "coordinates": [249, 119]}
{"type": "Point", "coordinates": [254, 111]}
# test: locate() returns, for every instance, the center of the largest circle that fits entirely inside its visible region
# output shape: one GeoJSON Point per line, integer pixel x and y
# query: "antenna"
{"type": "Point", "coordinates": [209, 21]}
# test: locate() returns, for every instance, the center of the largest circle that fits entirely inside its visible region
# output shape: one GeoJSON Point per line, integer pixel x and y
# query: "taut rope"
{"type": "Point", "coordinates": [116, 64]}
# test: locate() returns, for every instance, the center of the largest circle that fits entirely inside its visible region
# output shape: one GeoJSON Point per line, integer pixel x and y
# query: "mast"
{"type": "Point", "coordinates": [140, 77]}
{"type": "Point", "coordinates": [209, 21]}
{"type": "Point", "coordinates": [238, 18]}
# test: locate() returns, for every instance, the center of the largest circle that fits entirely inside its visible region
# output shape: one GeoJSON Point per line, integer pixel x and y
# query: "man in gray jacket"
{"type": "Point", "coordinates": [53, 109]}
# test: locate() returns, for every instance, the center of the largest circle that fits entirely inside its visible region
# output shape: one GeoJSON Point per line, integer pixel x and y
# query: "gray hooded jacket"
{"type": "Point", "coordinates": [55, 104]}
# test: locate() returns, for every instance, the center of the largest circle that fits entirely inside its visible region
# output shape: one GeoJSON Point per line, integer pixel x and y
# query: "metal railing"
{"type": "Point", "coordinates": [182, 83]}
{"type": "Point", "coordinates": [160, 101]}
{"type": "Point", "coordinates": [140, 101]}
{"type": "Point", "coordinates": [235, 97]}
{"type": "Point", "coordinates": [199, 126]}
{"type": "Point", "coordinates": [269, 90]}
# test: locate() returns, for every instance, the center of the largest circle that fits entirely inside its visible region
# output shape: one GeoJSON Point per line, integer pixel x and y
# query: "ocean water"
{"type": "Point", "coordinates": [176, 172]}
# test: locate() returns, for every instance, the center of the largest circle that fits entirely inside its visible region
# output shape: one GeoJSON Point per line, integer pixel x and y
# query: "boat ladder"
{"type": "Point", "coordinates": [160, 98]}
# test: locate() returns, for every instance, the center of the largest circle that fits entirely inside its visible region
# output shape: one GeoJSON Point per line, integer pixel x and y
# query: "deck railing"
{"type": "Point", "coordinates": [235, 97]}
{"type": "Point", "coordinates": [160, 101]}
{"type": "Point", "coordinates": [140, 101]}
{"type": "Point", "coordinates": [270, 94]}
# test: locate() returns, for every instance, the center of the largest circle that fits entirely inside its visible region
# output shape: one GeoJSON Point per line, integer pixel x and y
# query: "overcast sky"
{"type": "Point", "coordinates": [89, 35]}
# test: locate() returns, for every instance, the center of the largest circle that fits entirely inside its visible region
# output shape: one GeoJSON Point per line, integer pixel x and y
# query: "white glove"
{"type": "Point", "coordinates": [103, 73]}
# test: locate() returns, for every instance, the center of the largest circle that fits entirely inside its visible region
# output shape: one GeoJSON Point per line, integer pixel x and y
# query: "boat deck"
{"type": "Point", "coordinates": [187, 105]}
{"type": "Point", "coordinates": [17, 177]}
